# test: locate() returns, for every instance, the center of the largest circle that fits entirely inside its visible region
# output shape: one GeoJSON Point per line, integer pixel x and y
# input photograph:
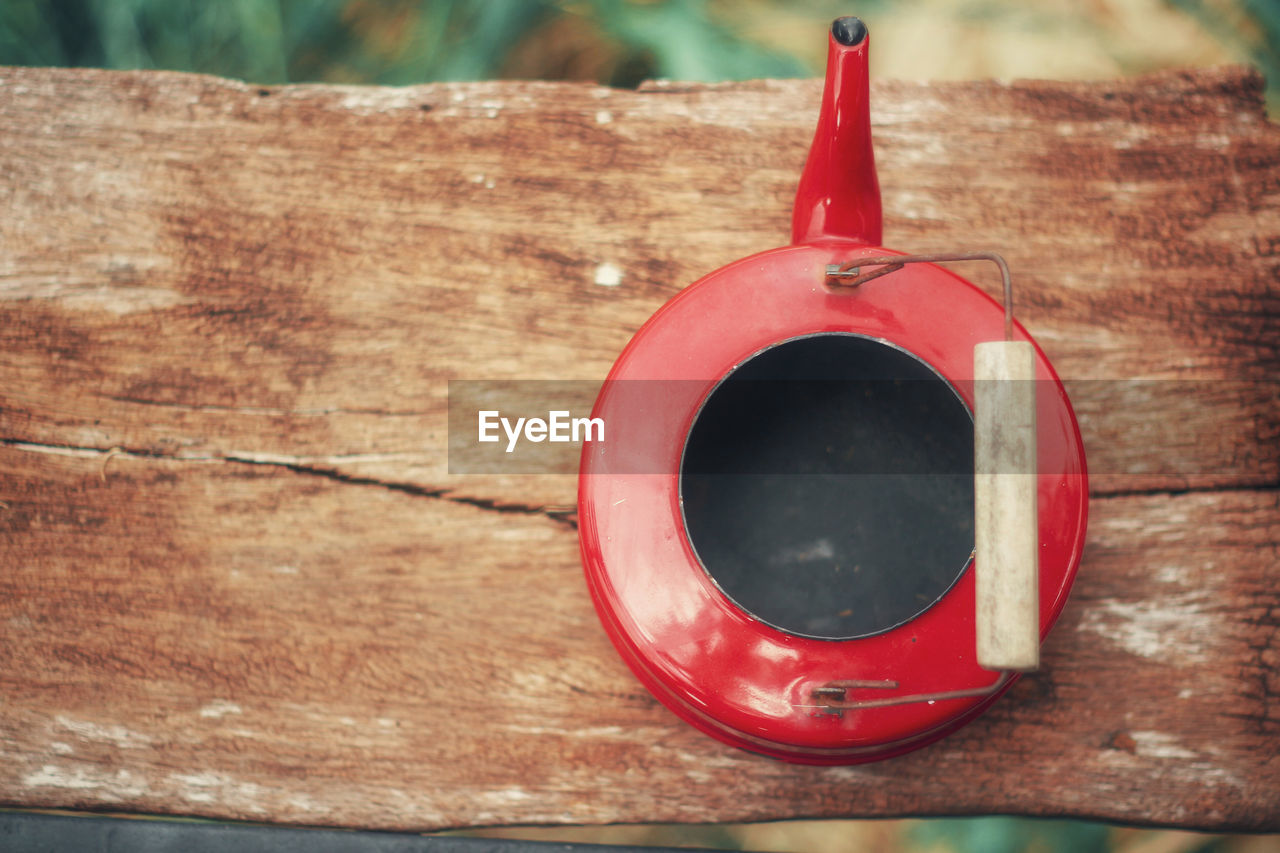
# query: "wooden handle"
{"type": "Point", "coordinates": [1005, 514]}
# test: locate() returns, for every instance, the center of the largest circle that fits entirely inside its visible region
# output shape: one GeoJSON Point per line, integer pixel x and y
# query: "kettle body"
{"type": "Point", "coordinates": [778, 534]}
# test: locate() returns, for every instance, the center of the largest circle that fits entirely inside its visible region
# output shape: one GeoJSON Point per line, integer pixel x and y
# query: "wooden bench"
{"type": "Point", "coordinates": [238, 580]}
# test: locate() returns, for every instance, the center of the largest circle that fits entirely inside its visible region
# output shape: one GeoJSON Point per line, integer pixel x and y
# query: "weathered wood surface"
{"type": "Point", "coordinates": [239, 582]}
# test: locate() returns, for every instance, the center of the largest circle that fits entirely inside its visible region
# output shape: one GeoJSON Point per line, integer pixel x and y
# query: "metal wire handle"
{"type": "Point", "coordinates": [832, 698]}
{"type": "Point", "coordinates": [850, 274]}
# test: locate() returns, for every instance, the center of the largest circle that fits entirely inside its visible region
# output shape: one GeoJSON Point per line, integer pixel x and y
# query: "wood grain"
{"type": "Point", "coordinates": [239, 581]}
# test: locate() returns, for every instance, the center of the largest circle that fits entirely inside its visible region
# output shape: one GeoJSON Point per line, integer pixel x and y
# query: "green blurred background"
{"type": "Point", "coordinates": [620, 44]}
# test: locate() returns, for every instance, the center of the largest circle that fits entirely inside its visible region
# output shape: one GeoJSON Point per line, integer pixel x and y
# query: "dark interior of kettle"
{"type": "Point", "coordinates": [827, 486]}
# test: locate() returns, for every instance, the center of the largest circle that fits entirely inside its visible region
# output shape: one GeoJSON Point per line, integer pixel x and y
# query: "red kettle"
{"type": "Point", "coordinates": [843, 496]}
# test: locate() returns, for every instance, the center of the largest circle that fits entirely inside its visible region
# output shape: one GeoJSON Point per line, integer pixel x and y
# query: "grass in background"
{"type": "Point", "coordinates": [1252, 25]}
{"type": "Point", "coordinates": [392, 42]}
{"type": "Point", "coordinates": [940, 835]}
{"type": "Point", "coordinates": [621, 43]}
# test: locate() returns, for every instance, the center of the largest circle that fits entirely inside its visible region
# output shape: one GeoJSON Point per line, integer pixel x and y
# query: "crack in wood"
{"type": "Point", "coordinates": [565, 516]}
{"type": "Point", "coordinates": [1220, 488]}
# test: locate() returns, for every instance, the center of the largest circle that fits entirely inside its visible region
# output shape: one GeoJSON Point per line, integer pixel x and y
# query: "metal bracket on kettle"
{"type": "Point", "coordinates": [851, 275]}
{"type": "Point", "coordinates": [831, 699]}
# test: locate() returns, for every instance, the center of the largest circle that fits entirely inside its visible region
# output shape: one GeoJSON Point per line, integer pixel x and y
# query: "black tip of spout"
{"type": "Point", "coordinates": [849, 31]}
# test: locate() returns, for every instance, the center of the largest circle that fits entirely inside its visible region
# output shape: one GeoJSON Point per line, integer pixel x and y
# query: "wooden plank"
{"type": "Point", "coordinates": [242, 641]}
{"type": "Point", "coordinates": [240, 582]}
{"type": "Point", "coordinates": [299, 269]}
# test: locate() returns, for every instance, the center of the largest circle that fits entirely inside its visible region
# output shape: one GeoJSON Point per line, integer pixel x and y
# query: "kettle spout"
{"type": "Point", "coordinates": [839, 195]}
